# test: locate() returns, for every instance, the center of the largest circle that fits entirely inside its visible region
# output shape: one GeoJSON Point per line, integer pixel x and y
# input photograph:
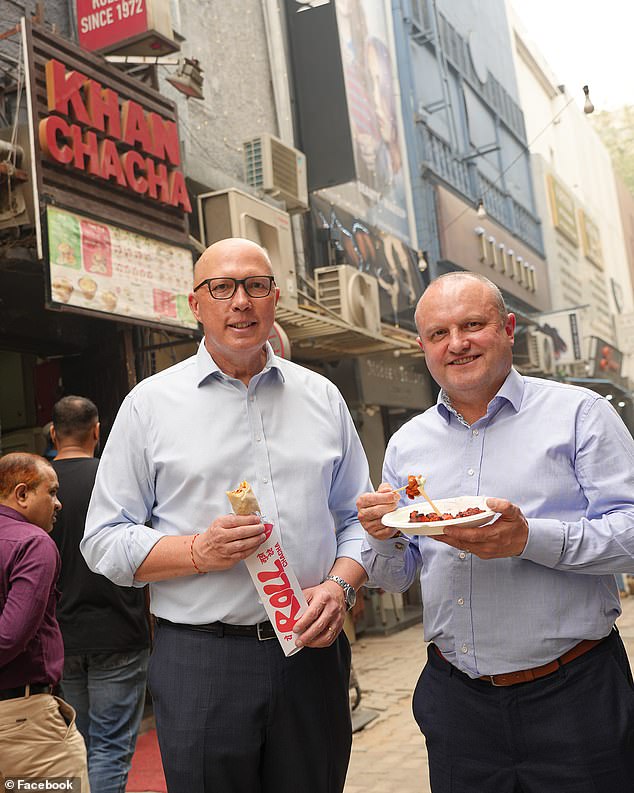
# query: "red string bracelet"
{"type": "Point", "coordinates": [191, 553]}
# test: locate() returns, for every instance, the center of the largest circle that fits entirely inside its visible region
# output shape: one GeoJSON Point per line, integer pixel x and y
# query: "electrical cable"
{"type": "Point", "coordinates": [525, 150]}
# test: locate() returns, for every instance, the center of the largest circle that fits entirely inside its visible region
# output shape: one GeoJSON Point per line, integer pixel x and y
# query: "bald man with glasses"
{"type": "Point", "coordinates": [233, 713]}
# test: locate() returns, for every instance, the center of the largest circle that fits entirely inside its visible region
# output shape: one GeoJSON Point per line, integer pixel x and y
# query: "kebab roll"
{"type": "Point", "coordinates": [243, 500]}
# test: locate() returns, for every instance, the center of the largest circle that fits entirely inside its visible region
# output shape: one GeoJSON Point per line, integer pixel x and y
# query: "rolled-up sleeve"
{"type": "Point", "coordinates": [116, 539]}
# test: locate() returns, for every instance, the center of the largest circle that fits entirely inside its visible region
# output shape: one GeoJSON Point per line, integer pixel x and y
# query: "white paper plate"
{"type": "Point", "coordinates": [399, 519]}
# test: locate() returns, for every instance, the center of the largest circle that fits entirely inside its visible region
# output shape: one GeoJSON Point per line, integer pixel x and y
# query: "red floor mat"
{"type": "Point", "coordinates": [146, 773]}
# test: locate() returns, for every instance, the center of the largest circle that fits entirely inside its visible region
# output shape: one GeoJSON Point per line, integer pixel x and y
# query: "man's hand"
{"type": "Point", "coordinates": [505, 537]}
{"type": "Point", "coordinates": [228, 540]}
{"type": "Point", "coordinates": [372, 507]}
{"type": "Point", "coordinates": [321, 623]}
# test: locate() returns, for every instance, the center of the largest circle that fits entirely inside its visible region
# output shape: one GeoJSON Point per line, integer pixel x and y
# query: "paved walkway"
{"type": "Point", "coordinates": [389, 754]}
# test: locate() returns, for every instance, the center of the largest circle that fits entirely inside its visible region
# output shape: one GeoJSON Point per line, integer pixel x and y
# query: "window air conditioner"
{"type": "Point", "coordinates": [16, 190]}
{"type": "Point", "coordinates": [278, 169]}
{"type": "Point", "coordinates": [232, 213]}
{"type": "Point", "coordinates": [351, 294]}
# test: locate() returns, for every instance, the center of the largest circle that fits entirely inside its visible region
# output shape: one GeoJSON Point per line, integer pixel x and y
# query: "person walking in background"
{"type": "Point", "coordinates": [105, 627]}
{"type": "Point", "coordinates": [233, 714]}
{"type": "Point", "coordinates": [527, 685]}
{"type": "Point", "coordinates": [38, 736]}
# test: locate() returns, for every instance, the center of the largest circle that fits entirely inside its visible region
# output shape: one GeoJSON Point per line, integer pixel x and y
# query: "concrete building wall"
{"type": "Point", "coordinates": [561, 137]}
{"type": "Point", "coordinates": [229, 40]}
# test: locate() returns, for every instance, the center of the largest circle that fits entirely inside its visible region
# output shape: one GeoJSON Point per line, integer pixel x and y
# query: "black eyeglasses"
{"type": "Point", "coordinates": [225, 288]}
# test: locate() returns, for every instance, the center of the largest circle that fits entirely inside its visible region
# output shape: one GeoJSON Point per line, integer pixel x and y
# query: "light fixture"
{"type": "Point", "coordinates": [621, 404]}
{"type": "Point", "coordinates": [609, 397]}
{"type": "Point", "coordinates": [188, 78]}
{"type": "Point", "coordinates": [480, 210]}
{"type": "Point", "coordinates": [588, 107]}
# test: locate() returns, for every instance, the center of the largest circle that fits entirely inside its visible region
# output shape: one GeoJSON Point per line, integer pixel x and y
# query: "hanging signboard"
{"type": "Point", "coordinates": [125, 27]}
{"type": "Point", "coordinates": [103, 143]}
{"type": "Point", "coordinates": [564, 328]}
{"type": "Point", "coordinates": [98, 267]}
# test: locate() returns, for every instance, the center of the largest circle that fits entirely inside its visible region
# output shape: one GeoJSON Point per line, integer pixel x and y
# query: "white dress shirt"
{"type": "Point", "coordinates": [188, 434]}
{"type": "Point", "coordinates": [563, 455]}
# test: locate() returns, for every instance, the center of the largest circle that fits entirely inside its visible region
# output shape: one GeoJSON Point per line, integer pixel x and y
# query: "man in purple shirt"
{"type": "Point", "coordinates": [38, 737]}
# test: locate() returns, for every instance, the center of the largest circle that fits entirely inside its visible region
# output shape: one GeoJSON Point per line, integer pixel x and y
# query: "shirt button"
{"type": "Point", "coordinates": [461, 601]}
{"type": "Point", "coordinates": [258, 439]}
{"type": "Point", "coordinates": [462, 555]}
{"type": "Point", "coordinates": [265, 480]}
{"type": "Point", "coordinates": [475, 432]}
{"type": "Point", "coordinates": [464, 648]}
{"type": "Point", "coordinates": [471, 472]}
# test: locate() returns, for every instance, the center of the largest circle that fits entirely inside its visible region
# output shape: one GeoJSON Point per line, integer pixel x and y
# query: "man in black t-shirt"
{"type": "Point", "coordinates": [104, 626]}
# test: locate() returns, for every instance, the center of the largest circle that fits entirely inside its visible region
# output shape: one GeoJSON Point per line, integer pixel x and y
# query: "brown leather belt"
{"type": "Point", "coordinates": [528, 675]}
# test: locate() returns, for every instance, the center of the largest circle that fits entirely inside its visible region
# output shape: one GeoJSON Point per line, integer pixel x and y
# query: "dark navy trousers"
{"type": "Point", "coordinates": [234, 715]}
{"type": "Point", "coordinates": [569, 732]}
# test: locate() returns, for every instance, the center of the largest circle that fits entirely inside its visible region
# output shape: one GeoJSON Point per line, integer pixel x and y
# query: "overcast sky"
{"type": "Point", "coordinates": [585, 43]}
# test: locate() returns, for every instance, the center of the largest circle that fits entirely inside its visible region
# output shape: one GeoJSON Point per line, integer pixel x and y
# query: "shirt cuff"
{"type": "Point", "coordinates": [351, 549]}
{"type": "Point", "coordinates": [545, 543]}
{"type": "Point", "coordinates": [137, 542]}
{"type": "Point", "coordinates": [393, 547]}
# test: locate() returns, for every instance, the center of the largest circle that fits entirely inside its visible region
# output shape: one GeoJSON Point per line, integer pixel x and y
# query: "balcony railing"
{"type": "Point", "coordinates": [439, 158]}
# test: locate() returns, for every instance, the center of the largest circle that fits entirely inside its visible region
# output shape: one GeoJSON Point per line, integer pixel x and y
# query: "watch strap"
{"type": "Point", "coordinates": [347, 588]}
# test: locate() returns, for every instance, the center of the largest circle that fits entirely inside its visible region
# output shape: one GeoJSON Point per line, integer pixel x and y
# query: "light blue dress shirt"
{"type": "Point", "coordinates": [563, 455]}
{"type": "Point", "coordinates": [188, 434]}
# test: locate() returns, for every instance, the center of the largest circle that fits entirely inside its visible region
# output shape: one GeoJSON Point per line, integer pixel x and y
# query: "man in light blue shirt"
{"type": "Point", "coordinates": [233, 713]}
{"type": "Point", "coordinates": [527, 686]}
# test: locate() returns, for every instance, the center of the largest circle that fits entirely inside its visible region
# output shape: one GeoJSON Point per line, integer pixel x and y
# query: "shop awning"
{"type": "Point", "coordinates": [316, 335]}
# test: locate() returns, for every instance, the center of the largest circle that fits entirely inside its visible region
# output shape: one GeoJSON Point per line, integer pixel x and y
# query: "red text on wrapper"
{"type": "Point", "coordinates": [280, 595]}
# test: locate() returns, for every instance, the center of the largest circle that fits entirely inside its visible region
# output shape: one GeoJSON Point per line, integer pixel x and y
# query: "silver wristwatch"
{"type": "Point", "coordinates": [351, 595]}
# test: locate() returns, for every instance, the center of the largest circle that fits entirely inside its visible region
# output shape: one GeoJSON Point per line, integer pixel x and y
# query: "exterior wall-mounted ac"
{"type": "Point", "coordinates": [232, 213]}
{"type": "Point", "coordinates": [16, 189]}
{"type": "Point", "coordinates": [272, 166]}
{"type": "Point", "coordinates": [351, 294]}
{"type": "Point", "coordinates": [536, 354]}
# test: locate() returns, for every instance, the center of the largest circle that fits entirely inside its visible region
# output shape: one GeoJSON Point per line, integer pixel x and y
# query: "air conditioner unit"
{"type": "Point", "coordinates": [351, 294]}
{"type": "Point", "coordinates": [232, 213]}
{"type": "Point", "coordinates": [540, 352]}
{"type": "Point", "coordinates": [272, 166]}
{"type": "Point", "coordinates": [16, 189]}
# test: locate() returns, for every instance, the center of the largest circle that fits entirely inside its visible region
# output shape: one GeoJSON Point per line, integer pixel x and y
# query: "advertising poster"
{"type": "Point", "coordinates": [607, 360]}
{"type": "Point", "coordinates": [99, 267]}
{"type": "Point", "coordinates": [372, 250]}
{"type": "Point", "coordinates": [564, 328]}
{"type": "Point", "coordinates": [375, 115]}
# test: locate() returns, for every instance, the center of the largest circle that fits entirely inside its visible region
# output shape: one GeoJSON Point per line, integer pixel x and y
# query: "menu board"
{"type": "Point", "coordinates": [98, 267]}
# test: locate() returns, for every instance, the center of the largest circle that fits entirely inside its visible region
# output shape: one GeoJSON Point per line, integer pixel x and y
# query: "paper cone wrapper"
{"type": "Point", "coordinates": [278, 588]}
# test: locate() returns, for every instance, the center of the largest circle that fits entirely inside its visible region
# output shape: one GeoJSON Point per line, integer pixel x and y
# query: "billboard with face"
{"type": "Point", "coordinates": [348, 110]}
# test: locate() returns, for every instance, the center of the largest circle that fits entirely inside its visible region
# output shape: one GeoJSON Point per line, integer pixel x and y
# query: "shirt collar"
{"type": "Point", "coordinates": [9, 512]}
{"type": "Point", "coordinates": [207, 367]}
{"type": "Point", "coordinates": [511, 390]}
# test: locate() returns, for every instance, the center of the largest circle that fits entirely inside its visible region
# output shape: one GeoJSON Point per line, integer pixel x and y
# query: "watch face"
{"type": "Point", "coordinates": [351, 597]}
